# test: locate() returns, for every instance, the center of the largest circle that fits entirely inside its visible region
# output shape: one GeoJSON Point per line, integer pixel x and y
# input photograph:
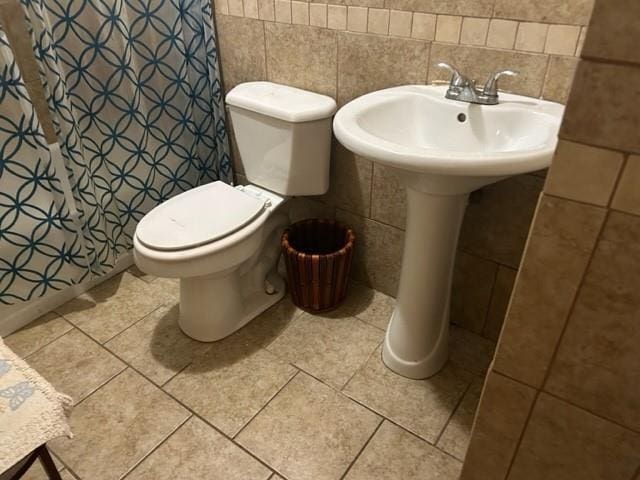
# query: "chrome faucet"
{"type": "Point", "coordinates": [463, 89]}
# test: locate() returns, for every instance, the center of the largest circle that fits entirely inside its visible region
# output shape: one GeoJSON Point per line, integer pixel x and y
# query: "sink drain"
{"type": "Point", "coordinates": [462, 117]}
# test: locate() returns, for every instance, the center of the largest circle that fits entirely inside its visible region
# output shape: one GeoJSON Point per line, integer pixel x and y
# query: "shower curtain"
{"type": "Point", "coordinates": [40, 249]}
{"type": "Point", "coordinates": [134, 91]}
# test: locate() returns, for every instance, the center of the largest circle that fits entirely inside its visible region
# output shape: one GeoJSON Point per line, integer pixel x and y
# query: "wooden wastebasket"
{"type": "Point", "coordinates": [318, 255]}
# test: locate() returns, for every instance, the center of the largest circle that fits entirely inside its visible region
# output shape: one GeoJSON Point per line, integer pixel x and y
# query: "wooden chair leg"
{"type": "Point", "coordinates": [47, 463]}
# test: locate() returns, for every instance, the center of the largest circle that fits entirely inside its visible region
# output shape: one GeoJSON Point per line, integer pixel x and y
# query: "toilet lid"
{"type": "Point", "coordinates": [197, 217]}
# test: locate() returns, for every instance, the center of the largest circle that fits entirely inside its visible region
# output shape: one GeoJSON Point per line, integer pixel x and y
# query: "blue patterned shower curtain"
{"type": "Point", "coordinates": [40, 249]}
{"type": "Point", "coordinates": [135, 95]}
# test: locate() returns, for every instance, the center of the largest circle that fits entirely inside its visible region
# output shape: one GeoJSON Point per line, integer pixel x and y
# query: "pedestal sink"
{"type": "Point", "coordinates": [441, 150]}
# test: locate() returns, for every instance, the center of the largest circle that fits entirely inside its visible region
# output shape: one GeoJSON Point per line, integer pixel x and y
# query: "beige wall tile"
{"type": "Point", "coordinates": [350, 185]}
{"type": "Point", "coordinates": [377, 259]}
{"type": "Point", "coordinates": [388, 199]}
{"type": "Point", "coordinates": [400, 23]}
{"type": "Point", "coordinates": [337, 17]}
{"type": "Point", "coordinates": [372, 62]}
{"type": "Point", "coordinates": [241, 61]}
{"type": "Point", "coordinates": [473, 280]}
{"type": "Point", "coordinates": [562, 442]}
{"type": "Point", "coordinates": [531, 37]}
{"type": "Point", "coordinates": [627, 196]}
{"type": "Point", "coordinates": [267, 10]}
{"type": "Point", "coordinates": [502, 33]}
{"type": "Point", "coordinates": [357, 19]}
{"type": "Point", "coordinates": [581, 40]}
{"type": "Point", "coordinates": [614, 32]}
{"type": "Point", "coordinates": [583, 173]}
{"type": "Point", "coordinates": [559, 80]}
{"type": "Point", "coordinates": [300, 13]}
{"type": "Point", "coordinates": [501, 418]}
{"type": "Point", "coordinates": [611, 120]}
{"type": "Point", "coordinates": [497, 225]}
{"type": "Point", "coordinates": [236, 8]}
{"type": "Point", "coordinates": [474, 31]}
{"type": "Point", "coordinates": [480, 62]}
{"type": "Point", "coordinates": [219, 7]}
{"type": "Point", "coordinates": [597, 365]}
{"type": "Point", "coordinates": [500, 297]}
{"type": "Point", "coordinates": [378, 21]}
{"type": "Point", "coordinates": [472, 8]}
{"type": "Point", "coordinates": [303, 57]}
{"type": "Point", "coordinates": [560, 244]}
{"type": "Point", "coordinates": [318, 14]}
{"type": "Point", "coordinates": [557, 11]}
{"type": "Point", "coordinates": [448, 28]}
{"type": "Point", "coordinates": [562, 39]}
{"type": "Point", "coordinates": [283, 11]}
{"type": "Point", "coordinates": [250, 8]}
{"type": "Point", "coordinates": [424, 26]}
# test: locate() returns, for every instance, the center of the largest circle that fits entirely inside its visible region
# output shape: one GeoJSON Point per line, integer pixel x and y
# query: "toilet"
{"type": "Point", "coordinates": [223, 242]}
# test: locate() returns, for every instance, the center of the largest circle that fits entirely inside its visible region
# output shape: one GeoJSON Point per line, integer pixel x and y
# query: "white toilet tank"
{"type": "Point", "coordinates": [283, 135]}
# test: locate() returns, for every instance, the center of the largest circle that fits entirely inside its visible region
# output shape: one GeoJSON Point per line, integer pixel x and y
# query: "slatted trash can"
{"type": "Point", "coordinates": [318, 255]}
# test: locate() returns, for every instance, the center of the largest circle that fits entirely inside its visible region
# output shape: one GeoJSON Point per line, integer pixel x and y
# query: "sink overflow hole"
{"type": "Point", "coordinates": [462, 117]}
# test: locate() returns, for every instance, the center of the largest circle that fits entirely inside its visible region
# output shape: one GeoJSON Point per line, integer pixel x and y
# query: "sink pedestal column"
{"type": "Point", "coordinates": [416, 343]}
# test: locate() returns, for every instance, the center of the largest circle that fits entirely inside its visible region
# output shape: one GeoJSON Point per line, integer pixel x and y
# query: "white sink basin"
{"type": "Point", "coordinates": [441, 150]}
{"type": "Point", "coordinates": [415, 128]}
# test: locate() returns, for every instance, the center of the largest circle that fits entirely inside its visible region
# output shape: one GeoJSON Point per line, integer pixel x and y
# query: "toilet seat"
{"type": "Point", "coordinates": [198, 217]}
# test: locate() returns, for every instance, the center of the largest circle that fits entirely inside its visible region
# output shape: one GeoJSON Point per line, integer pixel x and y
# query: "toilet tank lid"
{"type": "Point", "coordinates": [281, 101]}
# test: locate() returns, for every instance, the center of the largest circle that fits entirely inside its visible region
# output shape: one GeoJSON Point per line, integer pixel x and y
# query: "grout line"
{"type": "Point", "coordinates": [569, 402]}
{"type": "Point", "coordinates": [616, 184]}
{"type": "Point", "coordinates": [567, 320]}
{"type": "Point", "coordinates": [453, 412]}
{"type": "Point", "coordinates": [366, 444]}
{"type": "Point", "coordinates": [490, 302]}
{"type": "Point", "coordinates": [266, 403]}
{"type": "Point", "coordinates": [151, 452]}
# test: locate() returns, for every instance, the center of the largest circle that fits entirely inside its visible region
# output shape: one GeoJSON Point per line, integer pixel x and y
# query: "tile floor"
{"type": "Point", "coordinates": [289, 396]}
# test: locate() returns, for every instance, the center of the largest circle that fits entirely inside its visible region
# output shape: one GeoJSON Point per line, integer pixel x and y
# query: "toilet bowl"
{"type": "Point", "coordinates": [223, 242]}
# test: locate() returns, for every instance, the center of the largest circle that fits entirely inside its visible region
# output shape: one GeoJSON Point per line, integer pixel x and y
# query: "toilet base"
{"type": "Point", "coordinates": [212, 308]}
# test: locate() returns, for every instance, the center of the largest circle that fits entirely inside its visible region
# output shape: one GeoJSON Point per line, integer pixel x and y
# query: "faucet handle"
{"type": "Point", "coordinates": [491, 87]}
{"type": "Point", "coordinates": [457, 79]}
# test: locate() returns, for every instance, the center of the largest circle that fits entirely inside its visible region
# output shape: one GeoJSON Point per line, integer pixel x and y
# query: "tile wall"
{"type": "Point", "coordinates": [562, 399]}
{"type": "Point", "coordinates": [350, 47]}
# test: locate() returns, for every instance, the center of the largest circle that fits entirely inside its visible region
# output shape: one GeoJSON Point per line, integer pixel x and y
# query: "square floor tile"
{"type": "Point", "coordinates": [118, 426]}
{"type": "Point", "coordinates": [230, 383]}
{"type": "Point", "coordinates": [156, 347]}
{"type": "Point", "coordinates": [309, 431]}
{"type": "Point", "coordinates": [369, 305]}
{"type": "Point", "coordinates": [76, 365]}
{"type": "Point", "coordinates": [329, 348]}
{"type": "Point", "coordinates": [421, 406]}
{"type": "Point", "coordinates": [37, 334]}
{"type": "Point", "coordinates": [168, 289]}
{"type": "Point", "coordinates": [455, 438]}
{"type": "Point", "coordinates": [107, 309]}
{"type": "Point", "coordinates": [197, 451]}
{"type": "Point", "coordinates": [394, 453]}
{"type": "Point", "coordinates": [470, 351]}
